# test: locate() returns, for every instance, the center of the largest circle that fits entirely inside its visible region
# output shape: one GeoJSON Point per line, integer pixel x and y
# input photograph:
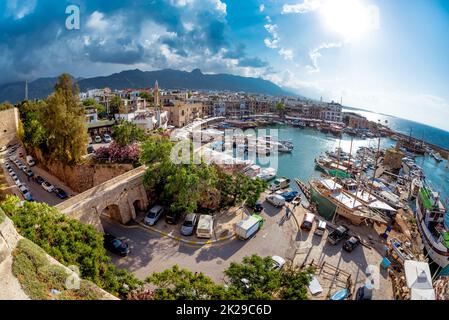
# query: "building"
{"type": "Point", "coordinates": [356, 121]}
{"type": "Point", "coordinates": [181, 113]}
{"type": "Point", "coordinates": [332, 112]}
{"type": "Point", "coordinates": [393, 158]}
{"type": "Point", "coordinates": [9, 125]}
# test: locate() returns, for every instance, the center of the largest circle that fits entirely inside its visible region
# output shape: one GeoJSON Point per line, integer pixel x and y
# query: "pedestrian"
{"type": "Point", "coordinates": [287, 212]}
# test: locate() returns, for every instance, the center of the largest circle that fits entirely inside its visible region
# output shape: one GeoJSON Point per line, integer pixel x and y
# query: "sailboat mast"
{"type": "Point", "coordinates": [375, 167]}
{"type": "Point", "coordinates": [338, 163]}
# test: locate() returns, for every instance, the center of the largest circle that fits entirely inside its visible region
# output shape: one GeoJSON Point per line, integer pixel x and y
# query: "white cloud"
{"type": "Point", "coordinates": [20, 9]}
{"type": "Point", "coordinates": [274, 41]}
{"type": "Point", "coordinates": [315, 54]}
{"type": "Point", "coordinates": [262, 8]}
{"type": "Point", "coordinates": [220, 6]}
{"type": "Point", "coordinates": [306, 6]}
{"type": "Point", "coordinates": [287, 54]}
{"type": "Point", "coordinates": [97, 21]}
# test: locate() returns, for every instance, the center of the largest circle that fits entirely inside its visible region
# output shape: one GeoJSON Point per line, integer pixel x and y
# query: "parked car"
{"type": "Point", "coordinates": [30, 161]}
{"type": "Point", "coordinates": [116, 245]}
{"type": "Point", "coordinates": [258, 207]}
{"type": "Point", "coordinates": [98, 139]}
{"type": "Point", "coordinates": [320, 227]}
{"type": "Point", "coordinates": [276, 200]}
{"type": "Point", "coordinates": [307, 222]}
{"type": "Point", "coordinates": [289, 196]}
{"type": "Point", "coordinates": [172, 217]}
{"type": "Point", "coordinates": [90, 149]}
{"type": "Point", "coordinates": [351, 244]}
{"type": "Point", "coordinates": [29, 173]}
{"type": "Point", "coordinates": [153, 215]}
{"type": "Point", "coordinates": [60, 193]}
{"type": "Point", "coordinates": [107, 138]}
{"type": "Point", "coordinates": [278, 262]}
{"type": "Point", "coordinates": [338, 234]}
{"type": "Point", "coordinates": [39, 180]}
{"type": "Point", "coordinates": [189, 224]}
{"type": "Point", "coordinates": [48, 186]}
{"type": "Point", "coordinates": [279, 183]}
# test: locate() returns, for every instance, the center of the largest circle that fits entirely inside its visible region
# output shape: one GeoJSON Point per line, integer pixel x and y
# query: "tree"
{"type": "Point", "coordinates": [126, 133]}
{"type": "Point", "coordinates": [101, 109]}
{"type": "Point", "coordinates": [70, 242]}
{"type": "Point", "coordinates": [260, 281]}
{"type": "Point", "coordinates": [64, 122]}
{"type": "Point", "coordinates": [146, 96]}
{"type": "Point", "coordinates": [117, 106]}
{"type": "Point", "coordinates": [182, 284]}
{"type": "Point", "coordinates": [236, 189]}
{"type": "Point", "coordinates": [6, 105]}
{"type": "Point", "coordinates": [280, 108]}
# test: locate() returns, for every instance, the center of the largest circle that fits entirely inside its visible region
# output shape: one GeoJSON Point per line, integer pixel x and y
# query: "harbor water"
{"type": "Point", "coordinates": [310, 143]}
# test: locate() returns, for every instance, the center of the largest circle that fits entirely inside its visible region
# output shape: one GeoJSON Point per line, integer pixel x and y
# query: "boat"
{"type": "Point", "coordinates": [340, 295]}
{"type": "Point", "coordinates": [267, 174]}
{"type": "Point", "coordinates": [432, 219]}
{"type": "Point", "coordinates": [437, 156]}
{"type": "Point", "coordinates": [330, 198]}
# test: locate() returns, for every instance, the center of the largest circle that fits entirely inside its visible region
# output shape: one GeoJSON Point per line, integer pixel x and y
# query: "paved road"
{"type": "Point", "coordinates": [39, 194]}
{"type": "Point", "coordinates": [151, 252]}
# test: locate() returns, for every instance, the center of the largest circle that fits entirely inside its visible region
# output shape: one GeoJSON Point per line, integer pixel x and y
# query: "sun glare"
{"type": "Point", "coordinates": [351, 19]}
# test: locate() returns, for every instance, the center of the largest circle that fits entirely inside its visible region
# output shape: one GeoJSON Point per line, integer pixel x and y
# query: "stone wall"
{"type": "Point", "coordinates": [9, 124]}
{"type": "Point", "coordinates": [83, 177]}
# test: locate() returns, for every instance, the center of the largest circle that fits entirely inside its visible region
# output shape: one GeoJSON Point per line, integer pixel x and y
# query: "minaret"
{"type": "Point", "coordinates": [26, 90]}
{"type": "Point", "coordinates": [156, 94]}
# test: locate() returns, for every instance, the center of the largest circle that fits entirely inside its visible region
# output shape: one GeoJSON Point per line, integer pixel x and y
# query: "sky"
{"type": "Point", "coordinates": [385, 56]}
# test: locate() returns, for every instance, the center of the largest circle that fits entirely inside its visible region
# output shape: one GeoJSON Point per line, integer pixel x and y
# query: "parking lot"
{"type": "Point", "coordinates": [151, 252]}
{"type": "Point", "coordinates": [36, 190]}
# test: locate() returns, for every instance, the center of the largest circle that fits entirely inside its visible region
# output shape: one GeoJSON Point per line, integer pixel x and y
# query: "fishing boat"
{"type": "Point", "coordinates": [433, 224]}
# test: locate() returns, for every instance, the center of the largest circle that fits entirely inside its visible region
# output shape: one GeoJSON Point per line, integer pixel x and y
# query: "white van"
{"type": "Point", "coordinates": [276, 200]}
{"type": "Point", "coordinates": [205, 226]}
{"type": "Point", "coordinates": [30, 161]}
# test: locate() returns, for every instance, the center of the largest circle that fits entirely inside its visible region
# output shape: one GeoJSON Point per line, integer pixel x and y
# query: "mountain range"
{"type": "Point", "coordinates": [167, 79]}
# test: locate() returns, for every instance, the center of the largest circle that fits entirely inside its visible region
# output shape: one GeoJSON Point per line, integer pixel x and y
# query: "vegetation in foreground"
{"type": "Point", "coordinates": [253, 279]}
{"type": "Point", "coordinates": [71, 243]}
{"type": "Point", "coordinates": [42, 280]}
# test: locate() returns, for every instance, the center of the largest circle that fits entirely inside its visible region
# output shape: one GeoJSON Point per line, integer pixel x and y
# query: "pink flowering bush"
{"type": "Point", "coordinates": [115, 153]}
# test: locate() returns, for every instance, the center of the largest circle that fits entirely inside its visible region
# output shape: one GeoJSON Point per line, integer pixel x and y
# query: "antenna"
{"type": "Point", "coordinates": [26, 90]}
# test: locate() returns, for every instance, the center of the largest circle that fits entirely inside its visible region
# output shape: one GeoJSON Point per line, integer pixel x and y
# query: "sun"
{"type": "Point", "coordinates": [350, 19]}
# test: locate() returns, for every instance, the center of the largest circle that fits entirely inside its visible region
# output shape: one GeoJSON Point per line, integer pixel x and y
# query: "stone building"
{"type": "Point", "coordinates": [180, 113]}
{"type": "Point", "coordinates": [393, 158]}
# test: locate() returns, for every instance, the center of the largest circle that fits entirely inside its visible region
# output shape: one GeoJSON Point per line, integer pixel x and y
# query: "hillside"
{"type": "Point", "coordinates": [167, 78]}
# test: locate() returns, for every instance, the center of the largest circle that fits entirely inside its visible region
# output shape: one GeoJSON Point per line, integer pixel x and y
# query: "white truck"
{"type": "Point", "coordinates": [248, 227]}
{"type": "Point", "coordinates": [205, 226]}
{"type": "Point", "coordinates": [30, 161]}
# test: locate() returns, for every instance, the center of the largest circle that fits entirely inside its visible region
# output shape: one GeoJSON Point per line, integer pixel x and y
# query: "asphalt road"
{"type": "Point", "coordinates": [39, 194]}
{"type": "Point", "coordinates": [152, 253]}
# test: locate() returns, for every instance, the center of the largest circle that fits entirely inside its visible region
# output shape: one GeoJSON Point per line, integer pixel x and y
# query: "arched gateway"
{"type": "Point", "coordinates": [117, 198]}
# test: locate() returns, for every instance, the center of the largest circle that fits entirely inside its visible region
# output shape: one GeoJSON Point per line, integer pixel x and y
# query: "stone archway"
{"type": "Point", "coordinates": [113, 212]}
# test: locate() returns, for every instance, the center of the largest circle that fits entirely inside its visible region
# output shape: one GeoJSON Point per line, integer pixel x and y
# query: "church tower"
{"type": "Point", "coordinates": [156, 94]}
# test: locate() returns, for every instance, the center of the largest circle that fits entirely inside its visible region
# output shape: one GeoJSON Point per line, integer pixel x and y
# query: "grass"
{"type": "Point", "coordinates": [38, 276]}
{"type": "Point", "coordinates": [2, 216]}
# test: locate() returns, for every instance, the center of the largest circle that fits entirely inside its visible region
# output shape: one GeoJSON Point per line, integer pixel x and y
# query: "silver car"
{"type": "Point", "coordinates": [153, 216]}
{"type": "Point", "coordinates": [189, 224]}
